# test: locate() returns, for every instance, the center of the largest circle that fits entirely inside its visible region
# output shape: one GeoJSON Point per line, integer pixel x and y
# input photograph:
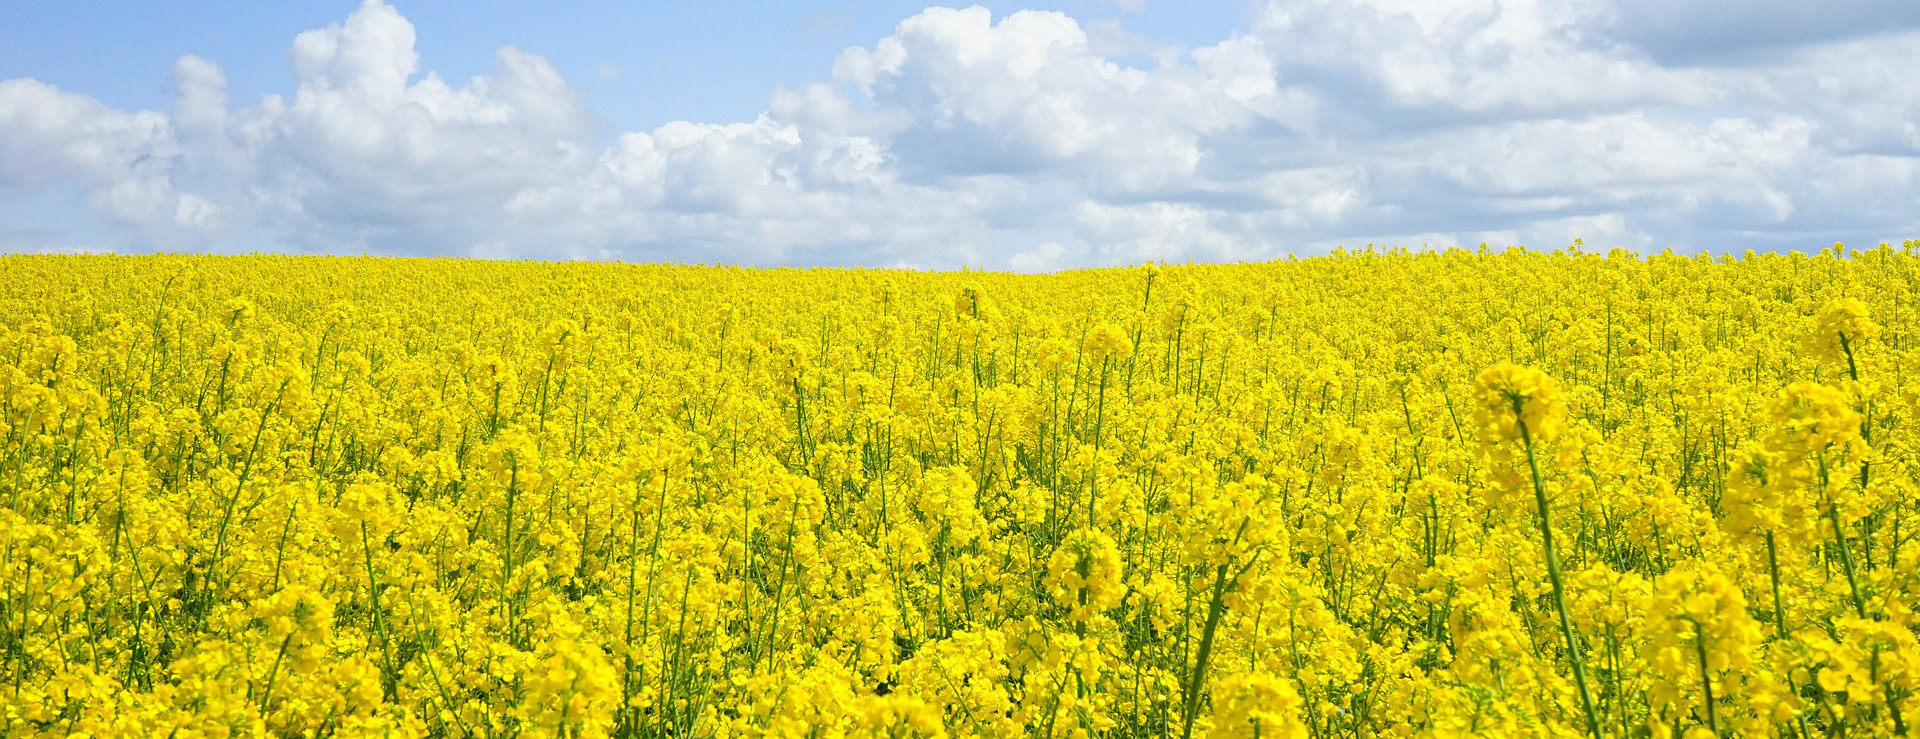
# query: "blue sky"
{"type": "Point", "coordinates": [1013, 135]}
{"type": "Point", "coordinates": [641, 64]}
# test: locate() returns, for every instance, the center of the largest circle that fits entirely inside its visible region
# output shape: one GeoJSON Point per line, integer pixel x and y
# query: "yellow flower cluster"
{"type": "Point", "coordinates": [1516, 402]}
{"type": "Point", "coordinates": [1842, 325]}
{"type": "Point", "coordinates": [1455, 493]}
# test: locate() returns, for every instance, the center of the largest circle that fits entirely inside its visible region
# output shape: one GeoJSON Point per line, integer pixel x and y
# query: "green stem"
{"type": "Point", "coordinates": [1773, 573]}
{"type": "Point", "coordinates": [389, 675]}
{"type": "Point", "coordinates": [1840, 540]}
{"type": "Point", "coordinates": [1706, 680]}
{"type": "Point", "coordinates": [1099, 423]}
{"type": "Point", "coordinates": [1553, 572]}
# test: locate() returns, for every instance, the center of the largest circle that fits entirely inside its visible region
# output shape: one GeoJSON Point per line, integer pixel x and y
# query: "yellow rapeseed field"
{"type": "Point", "coordinates": [1470, 492]}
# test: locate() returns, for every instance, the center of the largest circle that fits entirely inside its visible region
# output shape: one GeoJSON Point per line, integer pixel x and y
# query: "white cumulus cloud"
{"type": "Point", "coordinates": [1029, 141]}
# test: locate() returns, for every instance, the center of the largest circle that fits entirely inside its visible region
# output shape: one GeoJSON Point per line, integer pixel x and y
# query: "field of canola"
{"type": "Point", "coordinates": [1395, 493]}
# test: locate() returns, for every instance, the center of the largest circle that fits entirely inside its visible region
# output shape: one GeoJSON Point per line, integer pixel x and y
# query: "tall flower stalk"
{"type": "Point", "coordinates": [1522, 404]}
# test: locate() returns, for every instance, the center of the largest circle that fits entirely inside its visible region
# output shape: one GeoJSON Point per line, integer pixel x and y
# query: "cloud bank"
{"type": "Point", "coordinates": [1013, 142]}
